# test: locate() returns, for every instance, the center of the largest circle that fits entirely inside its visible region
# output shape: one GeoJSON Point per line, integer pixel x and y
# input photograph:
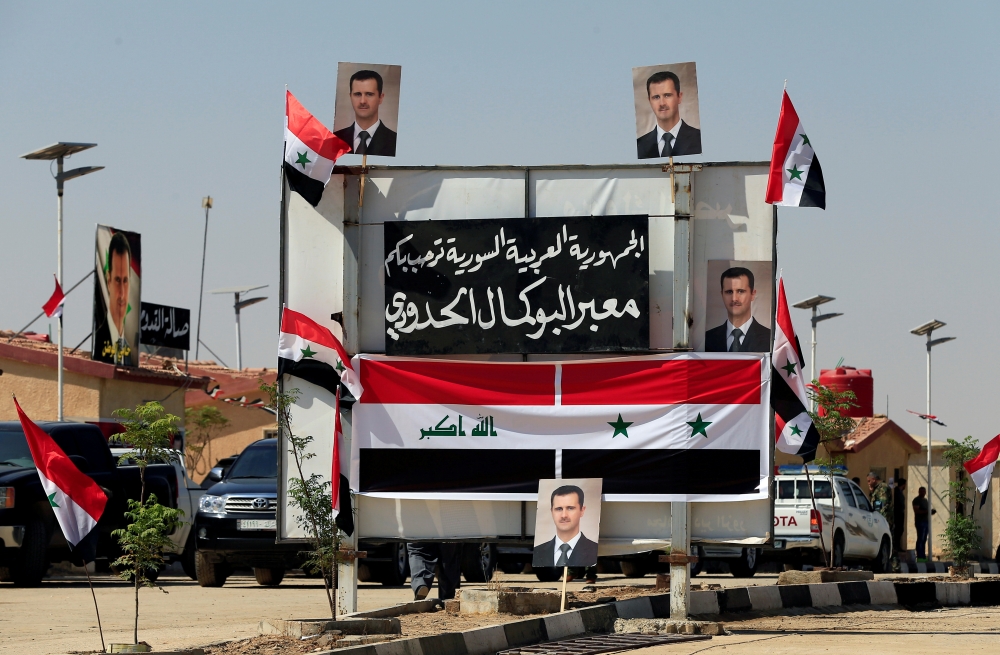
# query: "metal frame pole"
{"type": "Point", "coordinates": [239, 350]}
{"type": "Point", "coordinates": [930, 494]}
{"type": "Point", "coordinates": [59, 274]}
{"type": "Point", "coordinates": [201, 288]}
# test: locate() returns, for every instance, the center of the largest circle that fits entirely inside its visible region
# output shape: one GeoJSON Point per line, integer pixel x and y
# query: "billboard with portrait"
{"type": "Point", "coordinates": [667, 123]}
{"type": "Point", "coordinates": [738, 306]}
{"type": "Point", "coordinates": [567, 522]}
{"type": "Point", "coordinates": [367, 113]}
{"type": "Point", "coordinates": [117, 286]}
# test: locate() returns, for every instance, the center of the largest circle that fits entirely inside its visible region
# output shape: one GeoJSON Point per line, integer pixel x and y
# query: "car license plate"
{"type": "Point", "coordinates": [257, 524]}
{"type": "Point", "coordinates": [779, 544]}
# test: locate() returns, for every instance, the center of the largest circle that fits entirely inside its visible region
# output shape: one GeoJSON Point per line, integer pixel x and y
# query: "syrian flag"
{"type": "Point", "coordinates": [309, 351]}
{"type": "Point", "coordinates": [691, 427]}
{"type": "Point", "coordinates": [980, 467]}
{"type": "Point", "coordinates": [257, 402]}
{"type": "Point", "coordinates": [340, 489]}
{"type": "Point", "coordinates": [928, 417]}
{"type": "Point", "coordinates": [796, 433]}
{"type": "Point", "coordinates": [214, 393]}
{"type": "Point", "coordinates": [76, 500]}
{"type": "Point", "coordinates": [310, 151]}
{"type": "Point", "coordinates": [796, 179]}
{"type": "Point", "coordinates": [236, 401]}
{"type": "Point", "coordinates": [53, 308]}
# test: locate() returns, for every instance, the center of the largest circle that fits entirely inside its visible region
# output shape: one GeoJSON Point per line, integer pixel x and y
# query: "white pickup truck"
{"type": "Point", "coordinates": [857, 534]}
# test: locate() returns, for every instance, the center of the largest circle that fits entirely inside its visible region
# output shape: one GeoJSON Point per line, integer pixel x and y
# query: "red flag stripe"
{"type": "Point", "coordinates": [293, 322]}
{"type": "Point", "coordinates": [54, 301]}
{"type": "Point", "coordinates": [782, 316]}
{"type": "Point", "coordinates": [415, 382]}
{"type": "Point", "coordinates": [311, 132]}
{"type": "Point", "coordinates": [988, 455]}
{"type": "Point", "coordinates": [53, 463]}
{"type": "Point", "coordinates": [663, 382]}
{"type": "Point", "coordinates": [788, 121]}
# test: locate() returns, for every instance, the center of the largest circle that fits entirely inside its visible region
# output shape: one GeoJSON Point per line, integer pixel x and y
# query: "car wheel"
{"type": "Point", "coordinates": [396, 570]}
{"type": "Point", "coordinates": [633, 568]}
{"type": "Point", "coordinates": [838, 550]}
{"type": "Point", "coordinates": [547, 573]}
{"type": "Point", "coordinates": [881, 563]}
{"type": "Point", "coordinates": [746, 565]}
{"type": "Point", "coordinates": [209, 574]}
{"type": "Point", "coordinates": [478, 562]}
{"type": "Point", "coordinates": [269, 577]}
{"type": "Point", "coordinates": [187, 557]}
{"type": "Point", "coordinates": [33, 561]}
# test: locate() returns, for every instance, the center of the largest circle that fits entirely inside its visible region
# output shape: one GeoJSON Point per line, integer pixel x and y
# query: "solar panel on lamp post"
{"type": "Point", "coordinates": [238, 305]}
{"type": "Point", "coordinates": [58, 152]}
{"type": "Point", "coordinates": [928, 329]}
{"type": "Point", "coordinates": [813, 303]}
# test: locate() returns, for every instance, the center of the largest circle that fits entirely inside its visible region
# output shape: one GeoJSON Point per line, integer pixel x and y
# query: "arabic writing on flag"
{"type": "Point", "coordinates": [691, 426]}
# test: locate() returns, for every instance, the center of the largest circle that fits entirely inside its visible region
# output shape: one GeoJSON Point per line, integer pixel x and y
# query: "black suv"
{"type": "Point", "coordinates": [236, 526]}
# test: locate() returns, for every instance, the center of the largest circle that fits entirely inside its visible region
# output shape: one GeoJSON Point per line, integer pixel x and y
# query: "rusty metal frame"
{"type": "Point", "coordinates": [601, 644]}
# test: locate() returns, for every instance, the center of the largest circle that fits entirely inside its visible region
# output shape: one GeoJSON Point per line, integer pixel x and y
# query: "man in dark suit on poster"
{"type": "Point", "coordinates": [671, 136]}
{"type": "Point", "coordinates": [368, 135]}
{"type": "Point", "coordinates": [741, 332]}
{"type": "Point", "coordinates": [569, 547]}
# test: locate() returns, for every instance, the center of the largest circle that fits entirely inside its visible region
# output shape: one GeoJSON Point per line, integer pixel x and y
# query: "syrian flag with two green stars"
{"type": "Point", "coordinates": [691, 426]}
{"type": "Point", "coordinates": [796, 434]}
{"type": "Point", "coordinates": [76, 500]}
{"type": "Point", "coordinates": [310, 351]}
{"type": "Point", "coordinates": [310, 151]}
{"type": "Point", "coordinates": [796, 179]}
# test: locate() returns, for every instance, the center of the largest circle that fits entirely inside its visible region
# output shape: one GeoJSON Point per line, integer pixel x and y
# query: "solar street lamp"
{"type": "Point", "coordinates": [58, 152]}
{"type": "Point", "coordinates": [239, 304]}
{"type": "Point", "coordinates": [813, 303]}
{"type": "Point", "coordinates": [927, 329]}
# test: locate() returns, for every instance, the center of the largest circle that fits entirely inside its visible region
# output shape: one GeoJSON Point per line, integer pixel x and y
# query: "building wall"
{"type": "Point", "coordinates": [246, 426]}
{"type": "Point", "coordinates": [84, 396]}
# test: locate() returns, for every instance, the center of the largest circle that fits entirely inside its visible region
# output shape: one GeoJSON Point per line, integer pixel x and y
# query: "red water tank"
{"type": "Point", "coordinates": [848, 378]}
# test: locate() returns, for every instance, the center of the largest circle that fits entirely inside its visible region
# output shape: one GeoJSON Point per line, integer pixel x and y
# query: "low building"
{"type": "Point", "coordinates": [91, 390]}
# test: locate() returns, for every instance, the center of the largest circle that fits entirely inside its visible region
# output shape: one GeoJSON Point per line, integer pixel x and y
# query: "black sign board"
{"type": "Point", "coordinates": [169, 327]}
{"type": "Point", "coordinates": [517, 285]}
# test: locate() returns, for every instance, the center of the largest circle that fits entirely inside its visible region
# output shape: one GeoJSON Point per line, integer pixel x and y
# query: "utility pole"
{"type": "Point", "coordinates": [206, 202]}
{"type": "Point", "coordinates": [813, 303]}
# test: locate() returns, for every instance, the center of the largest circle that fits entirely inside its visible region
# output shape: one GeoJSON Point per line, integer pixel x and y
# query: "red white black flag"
{"type": "Point", "coordinates": [53, 308]}
{"type": "Point", "coordinates": [980, 467]}
{"type": "Point", "coordinates": [310, 351]}
{"type": "Point", "coordinates": [796, 433]}
{"type": "Point", "coordinates": [796, 179]}
{"type": "Point", "coordinates": [310, 151]}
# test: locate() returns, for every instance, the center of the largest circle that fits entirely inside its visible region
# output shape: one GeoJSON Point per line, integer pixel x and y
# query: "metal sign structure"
{"type": "Point", "coordinates": [332, 269]}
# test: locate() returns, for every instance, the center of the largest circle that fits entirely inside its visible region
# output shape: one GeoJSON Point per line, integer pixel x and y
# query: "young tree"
{"type": "Point", "coordinates": [147, 433]}
{"type": "Point", "coordinates": [961, 533]}
{"type": "Point", "coordinates": [832, 426]}
{"type": "Point", "coordinates": [203, 424]}
{"type": "Point", "coordinates": [311, 495]}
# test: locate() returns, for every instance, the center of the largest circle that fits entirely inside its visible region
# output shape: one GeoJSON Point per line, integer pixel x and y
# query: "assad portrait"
{"type": "Point", "coordinates": [671, 136]}
{"type": "Point", "coordinates": [368, 135]}
{"type": "Point", "coordinates": [570, 547]}
{"type": "Point", "coordinates": [741, 332]}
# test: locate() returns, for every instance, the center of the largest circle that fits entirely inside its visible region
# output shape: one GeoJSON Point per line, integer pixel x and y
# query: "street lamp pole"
{"type": "Point", "coordinates": [58, 152]}
{"type": "Point", "coordinates": [237, 306]}
{"type": "Point", "coordinates": [928, 329]}
{"type": "Point", "coordinates": [206, 202]}
{"type": "Point", "coordinates": [813, 303]}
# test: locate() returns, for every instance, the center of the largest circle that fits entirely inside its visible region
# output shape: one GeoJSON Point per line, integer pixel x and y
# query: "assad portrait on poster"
{"type": "Point", "coordinates": [367, 110]}
{"type": "Point", "coordinates": [666, 110]}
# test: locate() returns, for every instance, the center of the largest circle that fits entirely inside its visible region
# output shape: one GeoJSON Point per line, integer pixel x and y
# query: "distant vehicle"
{"type": "Point", "coordinates": [218, 471]}
{"type": "Point", "coordinates": [858, 535]}
{"type": "Point", "coordinates": [30, 538]}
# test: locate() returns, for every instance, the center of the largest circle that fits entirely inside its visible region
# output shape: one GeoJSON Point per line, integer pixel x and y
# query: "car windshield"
{"type": "Point", "coordinates": [14, 449]}
{"type": "Point", "coordinates": [256, 462]}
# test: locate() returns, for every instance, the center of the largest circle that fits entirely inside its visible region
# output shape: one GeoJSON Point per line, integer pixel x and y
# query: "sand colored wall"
{"type": "Point", "coordinates": [84, 396]}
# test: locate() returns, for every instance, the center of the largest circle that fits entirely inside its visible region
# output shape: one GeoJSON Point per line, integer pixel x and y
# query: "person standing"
{"type": "Point", "coordinates": [882, 499]}
{"type": "Point", "coordinates": [921, 521]}
{"type": "Point", "coordinates": [425, 556]}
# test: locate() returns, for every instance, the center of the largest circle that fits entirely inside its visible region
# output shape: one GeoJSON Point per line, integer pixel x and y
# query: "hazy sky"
{"type": "Point", "coordinates": [186, 100]}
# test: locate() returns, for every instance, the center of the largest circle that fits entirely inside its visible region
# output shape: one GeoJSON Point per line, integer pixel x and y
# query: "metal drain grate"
{"type": "Point", "coordinates": [601, 644]}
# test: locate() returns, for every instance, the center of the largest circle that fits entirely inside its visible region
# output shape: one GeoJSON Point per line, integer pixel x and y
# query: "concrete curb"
{"type": "Point", "coordinates": [784, 599]}
{"type": "Point", "coordinates": [978, 568]}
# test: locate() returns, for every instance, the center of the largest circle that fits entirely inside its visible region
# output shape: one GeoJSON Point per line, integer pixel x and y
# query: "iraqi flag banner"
{"type": "Point", "coordinates": [310, 351]}
{"type": "Point", "coordinates": [796, 179]}
{"type": "Point", "coordinates": [310, 151]}
{"type": "Point", "coordinates": [75, 499]}
{"type": "Point", "coordinates": [795, 432]}
{"type": "Point", "coordinates": [980, 467]}
{"type": "Point", "coordinates": [691, 427]}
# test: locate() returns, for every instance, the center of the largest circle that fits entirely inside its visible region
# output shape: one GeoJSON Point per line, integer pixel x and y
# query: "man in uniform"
{"type": "Point", "coordinates": [881, 499]}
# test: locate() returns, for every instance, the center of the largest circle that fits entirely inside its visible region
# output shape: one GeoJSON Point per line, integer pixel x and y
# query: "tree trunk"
{"type": "Point", "coordinates": [135, 629]}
